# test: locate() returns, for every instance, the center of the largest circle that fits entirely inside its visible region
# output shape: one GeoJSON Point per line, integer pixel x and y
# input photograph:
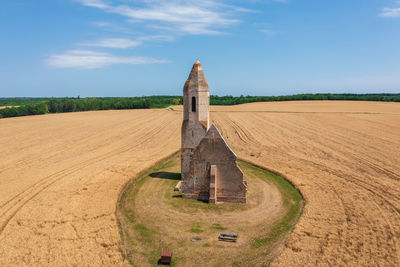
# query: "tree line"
{"type": "Point", "coordinates": [235, 100]}
{"type": "Point", "coordinates": [35, 106]}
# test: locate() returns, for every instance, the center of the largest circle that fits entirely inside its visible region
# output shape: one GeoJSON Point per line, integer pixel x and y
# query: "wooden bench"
{"type": "Point", "coordinates": [227, 236]}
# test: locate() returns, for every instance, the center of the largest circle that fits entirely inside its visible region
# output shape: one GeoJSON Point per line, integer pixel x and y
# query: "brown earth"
{"type": "Point", "coordinates": [60, 176]}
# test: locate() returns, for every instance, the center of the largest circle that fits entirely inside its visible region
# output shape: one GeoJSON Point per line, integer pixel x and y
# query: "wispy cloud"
{"type": "Point", "coordinates": [173, 18]}
{"type": "Point", "coordinates": [111, 27]}
{"type": "Point", "coordinates": [391, 12]}
{"type": "Point", "coordinates": [126, 43]}
{"type": "Point", "coordinates": [187, 17]}
{"type": "Point", "coordinates": [94, 3]}
{"type": "Point", "coordinates": [268, 32]}
{"type": "Point", "coordinates": [114, 43]}
{"type": "Point", "coordinates": [86, 59]}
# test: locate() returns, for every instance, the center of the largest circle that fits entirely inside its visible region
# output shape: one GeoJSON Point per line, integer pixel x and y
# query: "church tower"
{"type": "Point", "coordinates": [196, 109]}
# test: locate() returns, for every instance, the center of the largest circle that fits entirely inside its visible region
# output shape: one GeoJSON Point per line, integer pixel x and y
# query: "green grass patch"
{"type": "Point", "coordinates": [218, 227]}
{"type": "Point", "coordinates": [145, 233]}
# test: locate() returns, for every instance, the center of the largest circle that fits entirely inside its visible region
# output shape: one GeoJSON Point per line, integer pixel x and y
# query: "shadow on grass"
{"type": "Point", "coordinates": [159, 262]}
{"type": "Point", "coordinates": [166, 175]}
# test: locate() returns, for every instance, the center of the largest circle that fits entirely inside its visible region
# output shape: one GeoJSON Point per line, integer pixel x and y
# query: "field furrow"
{"type": "Point", "coordinates": [347, 167]}
{"type": "Point", "coordinates": [61, 174]}
{"type": "Point", "coordinates": [59, 197]}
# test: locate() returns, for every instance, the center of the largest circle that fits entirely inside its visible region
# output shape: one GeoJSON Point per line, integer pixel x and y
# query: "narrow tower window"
{"type": "Point", "coordinates": [193, 104]}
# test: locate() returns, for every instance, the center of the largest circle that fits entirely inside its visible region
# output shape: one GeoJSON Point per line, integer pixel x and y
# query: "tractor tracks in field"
{"type": "Point", "coordinates": [335, 146]}
{"type": "Point", "coordinates": [12, 206]}
{"type": "Point", "coordinates": [350, 156]}
{"type": "Point", "coordinates": [242, 133]}
{"type": "Point", "coordinates": [61, 147]}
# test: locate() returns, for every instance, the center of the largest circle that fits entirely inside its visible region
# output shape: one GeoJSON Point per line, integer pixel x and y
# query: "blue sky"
{"type": "Point", "coordinates": [147, 47]}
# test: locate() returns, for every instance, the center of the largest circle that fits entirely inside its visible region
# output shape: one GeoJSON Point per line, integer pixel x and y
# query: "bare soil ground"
{"type": "Point", "coordinates": [60, 176]}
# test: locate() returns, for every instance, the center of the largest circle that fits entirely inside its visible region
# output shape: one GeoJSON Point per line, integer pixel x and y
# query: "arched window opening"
{"type": "Point", "coordinates": [193, 104]}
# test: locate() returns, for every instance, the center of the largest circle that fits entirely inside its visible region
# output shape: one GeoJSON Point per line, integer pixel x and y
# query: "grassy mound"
{"type": "Point", "coordinates": [153, 217]}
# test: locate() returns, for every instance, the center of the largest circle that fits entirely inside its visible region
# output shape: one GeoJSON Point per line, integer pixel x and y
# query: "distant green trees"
{"type": "Point", "coordinates": [35, 106]}
{"type": "Point", "coordinates": [19, 101]}
{"type": "Point", "coordinates": [29, 109]}
{"type": "Point", "coordinates": [85, 104]}
{"type": "Point", "coordinates": [235, 100]}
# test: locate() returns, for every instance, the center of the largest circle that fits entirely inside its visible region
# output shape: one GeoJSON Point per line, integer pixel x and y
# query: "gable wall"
{"type": "Point", "coordinates": [214, 151]}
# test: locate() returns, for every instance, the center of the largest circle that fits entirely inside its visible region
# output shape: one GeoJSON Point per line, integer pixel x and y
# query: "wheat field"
{"type": "Point", "coordinates": [61, 175]}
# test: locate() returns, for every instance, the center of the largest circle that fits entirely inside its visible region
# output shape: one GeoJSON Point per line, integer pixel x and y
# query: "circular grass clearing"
{"type": "Point", "coordinates": [152, 217]}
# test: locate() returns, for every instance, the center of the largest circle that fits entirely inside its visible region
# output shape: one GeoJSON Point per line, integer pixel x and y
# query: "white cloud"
{"type": "Point", "coordinates": [183, 16]}
{"type": "Point", "coordinates": [86, 59]}
{"type": "Point", "coordinates": [111, 27]}
{"type": "Point", "coordinates": [268, 32]}
{"type": "Point", "coordinates": [390, 12]}
{"type": "Point", "coordinates": [156, 38]}
{"type": "Point", "coordinates": [177, 17]}
{"type": "Point", "coordinates": [94, 3]}
{"type": "Point", "coordinates": [114, 43]}
{"type": "Point", "coordinates": [126, 43]}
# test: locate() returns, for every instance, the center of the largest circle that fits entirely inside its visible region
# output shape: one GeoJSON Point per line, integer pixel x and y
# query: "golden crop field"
{"type": "Point", "coordinates": [61, 175]}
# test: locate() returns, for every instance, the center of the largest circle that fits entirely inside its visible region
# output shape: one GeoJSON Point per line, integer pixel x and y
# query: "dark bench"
{"type": "Point", "coordinates": [227, 236]}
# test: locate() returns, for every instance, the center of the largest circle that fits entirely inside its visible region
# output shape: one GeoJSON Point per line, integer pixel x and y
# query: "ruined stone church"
{"type": "Point", "coordinates": [209, 169]}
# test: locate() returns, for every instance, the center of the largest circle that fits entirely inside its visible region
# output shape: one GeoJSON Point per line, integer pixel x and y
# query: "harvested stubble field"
{"type": "Point", "coordinates": [61, 174]}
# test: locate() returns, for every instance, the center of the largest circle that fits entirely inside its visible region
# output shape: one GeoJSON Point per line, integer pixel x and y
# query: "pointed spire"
{"type": "Point", "coordinates": [197, 79]}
